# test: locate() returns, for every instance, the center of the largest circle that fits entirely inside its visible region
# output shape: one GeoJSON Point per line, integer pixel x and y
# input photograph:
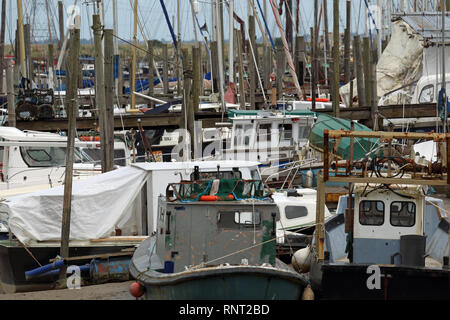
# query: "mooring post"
{"type": "Point", "coordinates": [165, 54]}
{"type": "Point", "coordinates": [336, 68]}
{"type": "Point", "coordinates": [100, 84]}
{"type": "Point", "coordinates": [358, 66]}
{"type": "Point", "coordinates": [71, 132]}
{"type": "Point", "coordinates": [109, 102]}
{"type": "Point", "coordinates": [10, 92]}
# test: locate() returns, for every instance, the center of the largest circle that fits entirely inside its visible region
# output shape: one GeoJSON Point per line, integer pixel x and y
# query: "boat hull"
{"type": "Point", "coordinates": [350, 281]}
{"type": "Point", "coordinates": [15, 260]}
{"type": "Point", "coordinates": [226, 283]}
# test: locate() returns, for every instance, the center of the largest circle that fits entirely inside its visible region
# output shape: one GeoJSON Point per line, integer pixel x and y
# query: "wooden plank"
{"type": "Point", "coordinates": [120, 238]}
{"type": "Point", "coordinates": [333, 134]}
{"type": "Point", "coordinates": [429, 182]}
{"type": "Point", "coordinates": [97, 256]}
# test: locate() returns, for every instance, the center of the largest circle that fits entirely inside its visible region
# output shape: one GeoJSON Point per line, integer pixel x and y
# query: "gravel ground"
{"type": "Point", "coordinates": [108, 291]}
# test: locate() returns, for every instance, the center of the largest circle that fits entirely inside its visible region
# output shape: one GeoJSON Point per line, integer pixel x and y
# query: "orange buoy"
{"type": "Point", "coordinates": [209, 198]}
{"type": "Point", "coordinates": [137, 289]}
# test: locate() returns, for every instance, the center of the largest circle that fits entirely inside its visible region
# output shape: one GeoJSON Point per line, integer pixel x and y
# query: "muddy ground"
{"type": "Point", "coordinates": [108, 291]}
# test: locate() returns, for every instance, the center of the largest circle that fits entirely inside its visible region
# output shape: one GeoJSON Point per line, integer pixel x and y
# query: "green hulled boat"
{"type": "Point", "coordinates": [215, 241]}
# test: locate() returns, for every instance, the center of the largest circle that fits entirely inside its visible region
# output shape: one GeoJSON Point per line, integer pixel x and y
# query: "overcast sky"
{"type": "Point", "coordinates": [153, 21]}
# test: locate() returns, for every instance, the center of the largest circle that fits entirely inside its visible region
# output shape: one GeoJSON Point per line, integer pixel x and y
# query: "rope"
{"type": "Point", "coordinates": [30, 253]}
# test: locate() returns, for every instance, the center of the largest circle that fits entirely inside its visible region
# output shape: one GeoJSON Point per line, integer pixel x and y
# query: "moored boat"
{"type": "Point", "coordinates": [222, 249]}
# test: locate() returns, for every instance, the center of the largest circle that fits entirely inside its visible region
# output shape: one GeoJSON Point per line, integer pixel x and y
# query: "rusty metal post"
{"type": "Point", "coordinates": [320, 217]}
{"type": "Point", "coordinates": [325, 155]}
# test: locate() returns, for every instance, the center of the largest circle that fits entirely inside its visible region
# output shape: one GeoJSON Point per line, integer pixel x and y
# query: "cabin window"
{"type": "Point", "coordinates": [50, 156]}
{"type": "Point", "coordinates": [403, 213]}
{"type": "Point", "coordinates": [304, 132]}
{"type": "Point", "coordinates": [371, 213]}
{"type": "Point", "coordinates": [242, 134]}
{"type": "Point", "coordinates": [238, 219]}
{"type": "Point", "coordinates": [294, 212]}
{"type": "Point", "coordinates": [120, 157]}
{"type": "Point", "coordinates": [287, 131]}
{"type": "Point", "coordinates": [222, 175]}
{"type": "Point", "coordinates": [427, 94]}
{"type": "Point", "coordinates": [264, 132]}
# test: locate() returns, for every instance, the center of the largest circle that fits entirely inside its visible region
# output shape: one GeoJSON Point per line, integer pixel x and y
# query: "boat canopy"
{"type": "Point", "coordinates": [362, 146]}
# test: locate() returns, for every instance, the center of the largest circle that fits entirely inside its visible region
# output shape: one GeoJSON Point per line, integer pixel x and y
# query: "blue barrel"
{"type": "Point", "coordinates": [168, 267]}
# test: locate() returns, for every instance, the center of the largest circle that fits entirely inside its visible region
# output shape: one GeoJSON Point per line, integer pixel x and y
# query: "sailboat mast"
{"type": "Point", "coordinates": [231, 45]}
{"type": "Point", "coordinates": [21, 38]}
{"type": "Point", "coordinates": [220, 53]}
{"type": "Point", "coordinates": [116, 49]}
{"type": "Point", "coordinates": [443, 86]}
{"type": "Point", "coordinates": [133, 67]}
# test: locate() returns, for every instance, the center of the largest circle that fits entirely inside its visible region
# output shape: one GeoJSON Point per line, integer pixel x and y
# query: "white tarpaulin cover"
{"type": "Point", "coordinates": [99, 204]}
{"type": "Point", "coordinates": [399, 65]}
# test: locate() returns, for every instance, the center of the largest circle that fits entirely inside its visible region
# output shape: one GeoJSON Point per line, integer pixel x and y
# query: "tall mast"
{"type": "Point", "coordinates": [443, 87]}
{"type": "Point", "coordinates": [21, 38]}
{"type": "Point", "coordinates": [219, 49]}
{"type": "Point", "coordinates": [231, 46]}
{"type": "Point", "coordinates": [133, 67]}
{"type": "Point", "coordinates": [116, 49]}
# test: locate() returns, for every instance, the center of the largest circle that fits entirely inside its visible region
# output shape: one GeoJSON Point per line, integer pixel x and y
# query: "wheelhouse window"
{"type": "Point", "coordinates": [264, 132]}
{"type": "Point", "coordinates": [403, 213]}
{"type": "Point", "coordinates": [294, 212]}
{"type": "Point", "coordinates": [371, 213]}
{"type": "Point", "coordinates": [222, 175]}
{"type": "Point", "coordinates": [286, 131]}
{"type": "Point", "coordinates": [427, 94]}
{"type": "Point", "coordinates": [239, 219]}
{"type": "Point", "coordinates": [51, 156]}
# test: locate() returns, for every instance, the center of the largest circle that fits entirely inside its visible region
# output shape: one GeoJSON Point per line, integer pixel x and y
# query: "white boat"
{"type": "Point", "coordinates": [37, 159]}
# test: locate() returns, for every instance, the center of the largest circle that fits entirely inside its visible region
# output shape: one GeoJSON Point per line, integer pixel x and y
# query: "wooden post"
{"type": "Point", "coordinates": [300, 63]}
{"type": "Point", "coordinates": [280, 60]}
{"type": "Point", "coordinates": [320, 223]}
{"type": "Point", "coordinates": [72, 115]}
{"type": "Point", "coordinates": [238, 38]}
{"type": "Point", "coordinates": [100, 99]}
{"type": "Point", "coordinates": [187, 103]}
{"type": "Point", "coordinates": [336, 59]}
{"type": "Point", "coordinates": [109, 104]}
{"type": "Point", "coordinates": [252, 66]}
{"type": "Point", "coordinates": [377, 121]}
{"type": "Point", "coordinates": [165, 54]}
{"type": "Point", "coordinates": [28, 60]}
{"type": "Point", "coordinates": [347, 44]}
{"type": "Point", "coordinates": [195, 79]}
{"type": "Point", "coordinates": [366, 67]}
{"type": "Point", "coordinates": [358, 65]}
{"type": "Point", "coordinates": [313, 70]}
{"type": "Point", "coordinates": [327, 42]}
{"type": "Point", "coordinates": [215, 66]}
{"type": "Point", "coordinates": [2, 45]}
{"type": "Point", "coordinates": [61, 23]}
{"type": "Point", "coordinates": [11, 96]}
{"type": "Point", "coordinates": [150, 69]}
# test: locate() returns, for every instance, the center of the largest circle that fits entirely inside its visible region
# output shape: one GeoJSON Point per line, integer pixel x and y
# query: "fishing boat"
{"type": "Point", "coordinates": [215, 240]}
{"type": "Point", "coordinates": [391, 240]}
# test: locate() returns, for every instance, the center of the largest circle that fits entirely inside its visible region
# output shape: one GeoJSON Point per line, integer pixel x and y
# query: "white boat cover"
{"type": "Point", "coordinates": [99, 205]}
{"type": "Point", "coordinates": [399, 65]}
